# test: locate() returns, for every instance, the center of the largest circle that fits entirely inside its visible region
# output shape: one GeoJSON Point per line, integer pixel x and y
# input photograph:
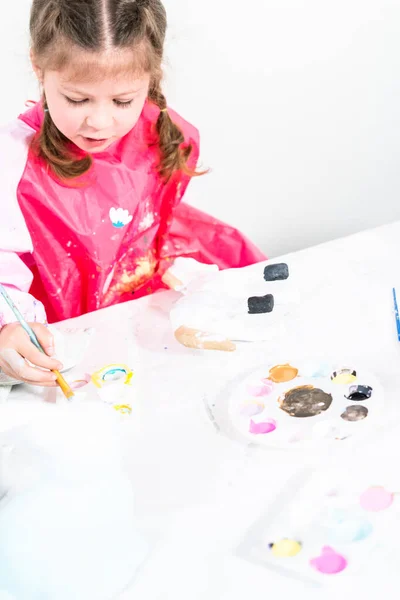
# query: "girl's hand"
{"type": "Point", "coordinates": [171, 281]}
{"type": "Point", "coordinates": [16, 349]}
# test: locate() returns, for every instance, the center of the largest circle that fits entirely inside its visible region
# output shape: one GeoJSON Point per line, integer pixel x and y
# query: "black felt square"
{"type": "Point", "coordinates": [276, 272]}
{"type": "Point", "coordinates": [261, 304]}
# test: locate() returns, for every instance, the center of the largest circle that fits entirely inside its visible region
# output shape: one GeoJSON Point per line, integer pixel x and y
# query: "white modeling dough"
{"type": "Point", "coordinates": [189, 270]}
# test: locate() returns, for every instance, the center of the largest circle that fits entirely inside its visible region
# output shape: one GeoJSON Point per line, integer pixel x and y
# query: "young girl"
{"type": "Point", "coordinates": [94, 175]}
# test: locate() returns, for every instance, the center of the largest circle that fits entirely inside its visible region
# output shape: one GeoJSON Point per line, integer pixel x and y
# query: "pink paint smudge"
{"type": "Point", "coordinates": [330, 562]}
{"type": "Point", "coordinates": [80, 383]}
{"type": "Point", "coordinates": [262, 428]}
{"type": "Point", "coordinates": [375, 499]}
{"type": "Point", "coordinates": [263, 388]}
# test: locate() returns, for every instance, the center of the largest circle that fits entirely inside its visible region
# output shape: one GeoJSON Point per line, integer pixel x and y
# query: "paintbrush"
{"type": "Point", "coordinates": [68, 393]}
{"type": "Point", "coordinates": [396, 313]}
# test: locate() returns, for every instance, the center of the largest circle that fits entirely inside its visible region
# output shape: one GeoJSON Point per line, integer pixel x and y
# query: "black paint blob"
{"type": "Point", "coordinates": [358, 393]}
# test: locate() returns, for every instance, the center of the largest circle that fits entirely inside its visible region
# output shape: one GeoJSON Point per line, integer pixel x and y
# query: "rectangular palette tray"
{"type": "Point", "coordinates": [307, 511]}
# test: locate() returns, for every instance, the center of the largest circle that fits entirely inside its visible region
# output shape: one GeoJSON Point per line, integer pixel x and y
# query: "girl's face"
{"type": "Point", "coordinates": [96, 114]}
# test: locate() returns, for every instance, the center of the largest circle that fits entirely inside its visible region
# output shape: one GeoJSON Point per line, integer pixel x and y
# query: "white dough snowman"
{"type": "Point", "coordinates": [215, 308]}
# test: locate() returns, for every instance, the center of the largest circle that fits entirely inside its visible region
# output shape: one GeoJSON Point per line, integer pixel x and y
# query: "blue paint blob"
{"type": "Point", "coordinates": [322, 371]}
{"type": "Point", "coordinates": [347, 528]}
{"type": "Point", "coordinates": [315, 369]}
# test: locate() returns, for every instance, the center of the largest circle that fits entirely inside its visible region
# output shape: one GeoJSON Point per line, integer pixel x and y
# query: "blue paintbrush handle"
{"type": "Point", "coordinates": [20, 319]}
{"type": "Point", "coordinates": [396, 314]}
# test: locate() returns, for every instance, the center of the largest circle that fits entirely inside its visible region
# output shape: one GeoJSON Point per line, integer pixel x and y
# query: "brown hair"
{"type": "Point", "coordinates": [61, 29]}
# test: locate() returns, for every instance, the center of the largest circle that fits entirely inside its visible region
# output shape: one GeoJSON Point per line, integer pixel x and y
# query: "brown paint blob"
{"type": "Point", "coordinates": [283, 373]}
{"type": "Point", "coordinates": [355, 413]}
{"type": "Point", "coordinates": [305, 401]}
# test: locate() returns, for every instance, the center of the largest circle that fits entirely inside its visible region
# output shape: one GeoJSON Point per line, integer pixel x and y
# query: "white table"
{"type": "Point", "coordinates": [197, 491]}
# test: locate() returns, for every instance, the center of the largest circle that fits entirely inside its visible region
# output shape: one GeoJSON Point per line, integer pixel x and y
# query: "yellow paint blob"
{"type": "Point", "coordinates": [124, 409]}
{"type": "Point", "coordinates": [344, 377]}
{"type": "Point", "coordinates": [283, 373]}
{"type": "Point", "coordinates": [286, 549]}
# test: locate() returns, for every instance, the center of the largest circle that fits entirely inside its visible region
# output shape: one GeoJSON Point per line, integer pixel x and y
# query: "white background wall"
{"type": "Point", "coordinates": [297, 102]}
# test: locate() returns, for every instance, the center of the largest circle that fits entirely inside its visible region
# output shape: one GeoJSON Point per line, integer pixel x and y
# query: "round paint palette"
{"type": "Point", "coordinates": [294, 405]}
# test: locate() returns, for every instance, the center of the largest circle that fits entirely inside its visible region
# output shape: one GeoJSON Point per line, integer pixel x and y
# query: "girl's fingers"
{"type": "Point", "coordinates": [37, 358]}
{"type": "Point", "coordinates": [45, 338]}
{"type": "Point", "coordinates": [15, 363]}
{"type": "Point", "coordinates": [18, 378]}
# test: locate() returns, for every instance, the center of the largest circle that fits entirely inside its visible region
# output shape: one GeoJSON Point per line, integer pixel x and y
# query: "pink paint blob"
{"type": "Point", "coordinates": [376, 499]}
{"type": "Point", "coordinates": [264, 388]}
{"type": "Point", "coordinates": [330, 562]}
{"type": "Point", "coordinates": [262, 428]}
{"type": "Point", "coordinates": [80, 383]}
{"type": "Point", "coordinates": [266, 381]}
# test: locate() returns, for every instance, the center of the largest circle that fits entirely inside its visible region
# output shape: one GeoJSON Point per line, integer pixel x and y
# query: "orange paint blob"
{"type": "Point", "coordinates": [283, 373]}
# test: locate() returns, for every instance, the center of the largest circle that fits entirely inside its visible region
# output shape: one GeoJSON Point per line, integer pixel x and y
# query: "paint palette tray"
{"type": "Point", "coordinates": [305, 405]}
{"type": "Point", "coordinates": [329, 525]}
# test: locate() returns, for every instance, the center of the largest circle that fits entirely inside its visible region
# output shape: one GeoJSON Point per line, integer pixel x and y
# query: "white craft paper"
{"type": "Point", "coordinates": [67, 523]}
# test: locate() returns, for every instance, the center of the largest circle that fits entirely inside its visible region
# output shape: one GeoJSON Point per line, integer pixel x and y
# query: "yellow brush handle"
{"type": "Point", "coordinates": [68, 393]}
